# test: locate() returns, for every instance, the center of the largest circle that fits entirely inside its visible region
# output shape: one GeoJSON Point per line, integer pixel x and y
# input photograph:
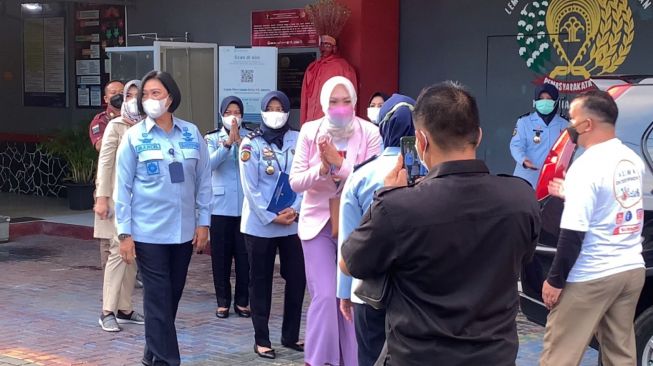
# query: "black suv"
{"type": "Point", "coordinates": [634, 97]}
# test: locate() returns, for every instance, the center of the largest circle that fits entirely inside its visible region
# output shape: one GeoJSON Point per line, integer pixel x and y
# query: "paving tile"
{"type": "Point", "coordinates": [51, 298]}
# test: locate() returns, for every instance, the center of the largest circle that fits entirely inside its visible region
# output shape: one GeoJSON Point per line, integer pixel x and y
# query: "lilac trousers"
{"type": "Point", "coordinates": [330, 339]}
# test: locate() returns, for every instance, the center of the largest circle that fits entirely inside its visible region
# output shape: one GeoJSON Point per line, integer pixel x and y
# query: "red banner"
{"type": "Point", "coordinates": [283, 28]}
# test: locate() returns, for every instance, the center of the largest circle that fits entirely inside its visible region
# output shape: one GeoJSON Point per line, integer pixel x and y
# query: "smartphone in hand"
{"type": "Point", "coordinates": [412, 164]}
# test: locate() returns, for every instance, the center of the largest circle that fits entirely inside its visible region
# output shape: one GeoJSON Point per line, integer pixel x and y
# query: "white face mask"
{"type": "Point", "coordinates": [226, 121]}
{"type": "Point", "coordinates": [423, 153]}
{"type": "Point", "coordinates": [274, 120]}
{"type": "Point", "coordinates": [132, 107]}
{"type": "Point", "coordinates": [155, 108]}
{"type": "Point", "coordinates": [373, 114]}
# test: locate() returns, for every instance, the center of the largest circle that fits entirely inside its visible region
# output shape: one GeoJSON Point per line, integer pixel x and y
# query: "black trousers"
{"type": "Point", "coordinates": [163, 268]}
{"type": "Point", "coordinates": [262, 253]}
{"type": "Point", "coordinates": [227, 243]}
{"type": "Point", "coordinates": [370, 333]}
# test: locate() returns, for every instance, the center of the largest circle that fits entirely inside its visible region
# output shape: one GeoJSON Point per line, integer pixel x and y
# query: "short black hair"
{"type": "Point", "coordinates": [601, 104]}
{"type": "Point", "coordinates": [168, 83]}
{"type": "Point", "coordinates": [450, 114]}
{"type": "Point", "coordinates": [111, 82]}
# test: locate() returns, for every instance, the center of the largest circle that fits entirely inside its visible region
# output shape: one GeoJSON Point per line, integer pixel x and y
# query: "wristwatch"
{"type": "Point", "coordinates": [122, 237]}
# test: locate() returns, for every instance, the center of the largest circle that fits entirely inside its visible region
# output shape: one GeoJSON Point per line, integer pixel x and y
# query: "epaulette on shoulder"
{"type": "Point", "coordinates": [210, 132]}
{"type": "Point", "coordinates": [356, 167]}
{"type": "Point", "coordinates": [524, 115]}
{"type": "Point", "coordinates": [514, 176]}
{"type": "Point", "coordinates": [383, 191]}
{"type": "Point", "coordinates": [254, 134]}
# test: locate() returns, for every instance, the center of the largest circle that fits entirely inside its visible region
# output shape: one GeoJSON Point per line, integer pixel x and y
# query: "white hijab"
{"type": "Point", "coordinates": [325, 95]}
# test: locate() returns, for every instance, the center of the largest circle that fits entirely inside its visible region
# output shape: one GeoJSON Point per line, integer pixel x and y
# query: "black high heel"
{"type": "Point", "coordinates": [243, 313]}
{"type": "Point", "coordinates": [271, 354]}
{"type": "Point", "coordinates": [222, 314]}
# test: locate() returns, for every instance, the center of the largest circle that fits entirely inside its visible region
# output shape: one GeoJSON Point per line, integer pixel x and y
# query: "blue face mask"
{"type": "Point", "coordinates": [545, 106]}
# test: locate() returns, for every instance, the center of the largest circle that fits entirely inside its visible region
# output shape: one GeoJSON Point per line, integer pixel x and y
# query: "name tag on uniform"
{"type": "Point", "coordinates": [176, 172]}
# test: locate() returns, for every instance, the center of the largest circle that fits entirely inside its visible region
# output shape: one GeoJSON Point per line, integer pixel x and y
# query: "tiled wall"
{"type": "Point", "coordinates": [26, 169]}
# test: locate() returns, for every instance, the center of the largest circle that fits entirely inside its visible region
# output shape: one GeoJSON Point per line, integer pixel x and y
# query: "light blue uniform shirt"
{"type": "Point", "coordinates": [148, 205]}
{"type": "Point", "coordinates": [523, 145]}
{"type": "Point", "coordinates": [256, 155]}
{"type": "Point", "coordinates": [357, 196]}
{"type": "Point", "coordinates": [225, 174]}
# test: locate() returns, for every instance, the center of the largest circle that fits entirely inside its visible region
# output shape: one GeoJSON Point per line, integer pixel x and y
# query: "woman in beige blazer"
{"type": "Point", "coordinates": [119, 277]}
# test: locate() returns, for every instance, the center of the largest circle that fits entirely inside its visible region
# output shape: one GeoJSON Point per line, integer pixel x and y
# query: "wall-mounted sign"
{"type": "Point", "coordinates": [96, 28]}
{"type": "Point", "coordinates": [248, 73]}
{"type": "Point", "coordinates": [283, 29]}
{"type": "Point", "coordinates": [44, 59]}
{"type": "Point", "coordinates": [566, 42]}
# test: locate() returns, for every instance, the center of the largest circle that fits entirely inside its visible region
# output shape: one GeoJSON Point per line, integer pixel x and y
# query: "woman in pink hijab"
{"type": "Point", "coordinates": [327, 151]}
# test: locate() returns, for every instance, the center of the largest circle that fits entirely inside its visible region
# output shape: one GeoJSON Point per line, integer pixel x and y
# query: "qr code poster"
{"type": "Point", "coordinates": [249, 73]}
{"type": "Point", "coordinates": [246, 76]}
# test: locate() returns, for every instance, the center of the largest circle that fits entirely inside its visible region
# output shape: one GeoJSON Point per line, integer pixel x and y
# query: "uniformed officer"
{"type": "Point", "coordinates": [535, 134]}
{"type": "Point", "coordinates": [269, 222]}
{"type": "Point", "coordinates": [395, 122]}
{"type": "Point", "coordinates": [450, 246]}
{"type": "Point", "coordinates": [163, 207]}
{"type": "Point", "coordinates": [227, 242]}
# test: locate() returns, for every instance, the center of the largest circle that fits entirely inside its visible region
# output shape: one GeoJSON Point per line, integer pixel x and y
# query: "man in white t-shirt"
{"type": "Point", "coordinates": [598, 272]}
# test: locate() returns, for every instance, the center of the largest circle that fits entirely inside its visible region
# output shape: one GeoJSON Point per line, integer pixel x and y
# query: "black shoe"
{"type": "Point", "coordinates": [267, 354]}
{"type": "Point", "coordinates": [146, 362]}
{"type": "Point", "coordinates": [222, 314]}
{"type": "Point", "coordinates": [297, 346]}
{"type": "Point", "coordinates": [243, 313]}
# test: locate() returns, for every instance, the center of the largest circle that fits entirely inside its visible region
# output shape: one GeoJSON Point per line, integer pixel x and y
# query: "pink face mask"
{"type": "Point", "coordinates": [341, 116]}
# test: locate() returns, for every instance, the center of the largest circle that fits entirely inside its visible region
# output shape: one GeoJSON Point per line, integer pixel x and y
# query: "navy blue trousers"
{"type": "Point", "coordinates": [370, 333]}
{"type": "Point", "coordinates": [163, 268]}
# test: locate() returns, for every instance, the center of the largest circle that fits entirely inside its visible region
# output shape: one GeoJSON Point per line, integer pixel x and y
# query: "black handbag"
{"type": "Point", "coordinates": [375, 291]}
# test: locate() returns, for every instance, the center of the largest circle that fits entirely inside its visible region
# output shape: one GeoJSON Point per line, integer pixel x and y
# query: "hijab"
{"type": "Point", "coordinates": [396, 119]}
{"type": "Point", "coordinates": [553, 92]}
{"type": "Point", "coordinates": [272, 136]}
{"type": "Point", "coordinates": [325, 95]}
{"type": "Point", "coordinates": [130, 118]}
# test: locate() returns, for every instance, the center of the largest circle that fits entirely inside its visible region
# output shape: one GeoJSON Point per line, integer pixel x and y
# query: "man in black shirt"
{"type": "Point", "coordinates": [452, 244]}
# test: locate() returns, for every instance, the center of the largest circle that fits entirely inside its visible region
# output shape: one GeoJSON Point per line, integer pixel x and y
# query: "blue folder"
{"type": "Point", "coordinates": [283, 196]}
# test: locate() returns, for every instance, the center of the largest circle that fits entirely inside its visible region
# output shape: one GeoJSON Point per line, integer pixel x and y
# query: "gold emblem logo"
{"type": "Point", "coordinates": [577, 38]}
{"type": "Point", "coordinates": [606, 26]}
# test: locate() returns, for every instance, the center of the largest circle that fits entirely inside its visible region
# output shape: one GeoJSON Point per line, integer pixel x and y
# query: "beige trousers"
{"type": "Point", "coordinates": [105, 250]}
{"type": "Point", "coordinates": [604, 307]}
{"type": "Point", "coordinates": [119, 279]}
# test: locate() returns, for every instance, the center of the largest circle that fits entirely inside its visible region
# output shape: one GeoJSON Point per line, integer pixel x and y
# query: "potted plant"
{"type": "Point", "coordinates": [73, 146]}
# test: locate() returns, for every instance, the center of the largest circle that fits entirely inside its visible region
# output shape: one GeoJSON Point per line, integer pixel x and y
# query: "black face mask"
{"type": "Point", "coordinates": [573, 134]}
{"type": "Point", "coordinates": [116, 101]}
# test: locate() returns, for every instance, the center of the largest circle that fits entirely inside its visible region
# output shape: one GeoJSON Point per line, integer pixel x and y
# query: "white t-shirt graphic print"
{"type": "Point", "coordinates": [603, 197]}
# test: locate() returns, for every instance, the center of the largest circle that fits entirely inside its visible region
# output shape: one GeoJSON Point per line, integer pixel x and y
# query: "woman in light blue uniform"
{"type": "Point", "coordinates": [269, 223]}
{"type": "Point", "coordinates": [227, 242]}
{"type": "Point", "coordinates": [535, 134]}
{"type": "Point", "coordinates": [163, 208]}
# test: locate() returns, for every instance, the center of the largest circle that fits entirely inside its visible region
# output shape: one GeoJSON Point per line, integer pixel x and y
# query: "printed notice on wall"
{"type": "Point", "coordinates": [54, 55]}
{"type": "Point", "coordinates": [96, 96]}
{"type": "Point", "coordinates": [83, 97]}
{"type": "Point", "coordinates": [97, 27]}
{"type": "Point", "coordinates": [249, 73]}
{"type": "Point", "coordinates": [44, 71]}
{"type": "Point", "coordinates": [87, 67]}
